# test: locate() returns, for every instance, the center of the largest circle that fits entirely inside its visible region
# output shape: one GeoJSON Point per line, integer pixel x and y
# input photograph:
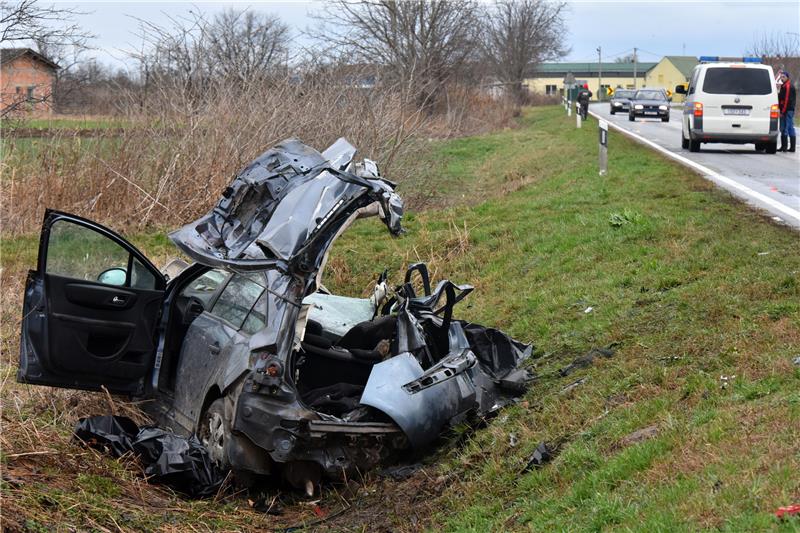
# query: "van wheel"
{"type": "Point", "coordinates": [214, 433]}
{"type": "Point", "coordinates": [772, 147]}
{"type": "Point", "coordinates": [694, 146]}
{"type": "Point", "coordinates": [760, 147]}
{"type": "Point", "coordinates": [684, 142]}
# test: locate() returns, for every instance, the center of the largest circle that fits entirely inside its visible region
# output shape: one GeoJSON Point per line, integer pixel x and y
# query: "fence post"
{"type": "Point", "coordinates": [603, 129]}
{"type": "Point", "coordinates": [569, 108]}
{"type": "Point", "coordinates": [578, 119]}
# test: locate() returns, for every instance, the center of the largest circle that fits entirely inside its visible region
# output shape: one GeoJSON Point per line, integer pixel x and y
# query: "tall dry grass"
{"type": "Point", "coordinates": [170, 162]}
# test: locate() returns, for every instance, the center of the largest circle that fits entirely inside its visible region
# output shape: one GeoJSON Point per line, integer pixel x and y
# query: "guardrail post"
{"type": "Point", "coordinates": [603, 130]}
{"type": "Point", "coordinates": [578, 119]}
{"type": "Point", "coordinates": [569, 108]}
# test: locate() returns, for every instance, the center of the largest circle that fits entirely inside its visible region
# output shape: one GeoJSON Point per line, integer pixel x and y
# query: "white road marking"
{"type": "Point", "coordinates": [793, 213]}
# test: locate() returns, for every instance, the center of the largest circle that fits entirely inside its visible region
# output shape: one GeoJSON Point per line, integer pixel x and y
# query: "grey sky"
{"type": "Point", "coordinates": [655, 27]}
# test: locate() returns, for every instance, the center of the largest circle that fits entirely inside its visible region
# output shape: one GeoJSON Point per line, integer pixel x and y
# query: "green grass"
{"type": "Point", "coordinates": [66, 123]}
{"type": "Point", "coordinates": [671, 269]}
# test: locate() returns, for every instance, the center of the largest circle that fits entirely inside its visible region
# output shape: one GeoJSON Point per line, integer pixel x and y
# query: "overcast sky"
{"type": "Point", "coordinates": [655, 27]}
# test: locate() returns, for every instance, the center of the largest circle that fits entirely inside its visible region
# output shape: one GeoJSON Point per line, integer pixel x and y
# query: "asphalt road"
{"type": "Point", "coordinates": [768, 182]}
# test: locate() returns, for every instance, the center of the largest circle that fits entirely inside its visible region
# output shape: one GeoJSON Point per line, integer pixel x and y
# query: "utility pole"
{"type": "Point", "coordinates": [635, 66]}
{"type": "Point", "coordinates": [599, 73]}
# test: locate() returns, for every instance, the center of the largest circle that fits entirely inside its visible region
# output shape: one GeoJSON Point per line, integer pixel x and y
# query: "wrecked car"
{"type": "Point", "coordinates": [246, 348]}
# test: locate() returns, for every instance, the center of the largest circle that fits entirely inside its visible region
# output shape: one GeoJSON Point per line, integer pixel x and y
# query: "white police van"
{"type": "Point", "coordinates": [730, 101]}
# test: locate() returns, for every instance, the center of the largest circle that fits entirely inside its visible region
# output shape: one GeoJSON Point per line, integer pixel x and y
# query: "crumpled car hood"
{"type": "Point", "coordinates": [286, 207]}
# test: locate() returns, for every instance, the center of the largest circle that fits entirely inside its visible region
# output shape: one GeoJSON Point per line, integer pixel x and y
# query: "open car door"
{"type": "Point", "coordinates": [91, 310]}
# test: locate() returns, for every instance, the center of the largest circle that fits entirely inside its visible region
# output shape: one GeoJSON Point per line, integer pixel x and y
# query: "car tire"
{"type": "Point", "coordinates": [664, 119]}
{"type": "Point", "coordinates": [684, 142]}
{"type": "Point", "coordinates": [772, 147]}
{"type": "Point", "coordinates": [612, 111]}
{"type": "Point", "coordinates": [631, 117]}
{"type": "Point", "coordinates": [214, 433]}
{"type": "Point", "coordinates": [760, 147]}
{"type": "Point", "coordinates": [694, 146]}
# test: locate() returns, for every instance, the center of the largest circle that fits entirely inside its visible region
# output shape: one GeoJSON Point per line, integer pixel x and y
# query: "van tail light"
{"type": "Point", "coordinates": [773, 111]}
{"type": "Point", "coordinates": [698, 109]}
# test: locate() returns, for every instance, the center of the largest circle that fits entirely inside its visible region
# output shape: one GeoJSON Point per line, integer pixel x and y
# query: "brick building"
{"type": "Point", "coordinates": [26, 82]}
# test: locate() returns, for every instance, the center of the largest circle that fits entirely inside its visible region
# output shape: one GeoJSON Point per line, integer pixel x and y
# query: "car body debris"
{"type": "Point", "coordinates": [542, 455]}
{"type": "Point", "coordinates": [246, 349]}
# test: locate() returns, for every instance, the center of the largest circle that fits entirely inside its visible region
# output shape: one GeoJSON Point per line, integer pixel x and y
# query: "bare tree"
{"type": "Point", "coordinates": [421, 43]}
{"type": "Point", "coordinates": [188, 55]}
{"type": "Point", "coordinates": [781, 49]}
{"type": "Point", "coordinates": [27, 21]}
{"type": "Point", "coordinates": [628, 58]}
{"type": "Point", "coordinates": [243, 45]}
{"type": "Point", "coordinates": [521, 34]}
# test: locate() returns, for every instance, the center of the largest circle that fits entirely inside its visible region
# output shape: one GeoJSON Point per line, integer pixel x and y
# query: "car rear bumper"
{"type": "Point", "coordinates": [733, 138]}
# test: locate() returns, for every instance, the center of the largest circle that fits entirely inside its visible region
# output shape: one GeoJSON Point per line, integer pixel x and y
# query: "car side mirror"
{"type": "Point", "coordinates": [113, 276]}
{"type": "Point", "coordinates": [680, 89]}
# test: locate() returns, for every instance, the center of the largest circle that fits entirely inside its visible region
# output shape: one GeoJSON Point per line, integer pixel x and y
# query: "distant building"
{"type": "Point", "coordinates": [26, 81]}
{"type": "Point", "coordinates": [671, 71]}
{"type": "Point", "coordinates": [550, 78]}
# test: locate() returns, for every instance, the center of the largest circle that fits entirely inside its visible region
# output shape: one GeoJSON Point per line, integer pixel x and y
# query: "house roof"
{"type": "Point", "coordinates": [10, 54]}
{"type": "Point", "coordinates": [592, 69]}
{"type": "Point", "coordinates": [685, 64]}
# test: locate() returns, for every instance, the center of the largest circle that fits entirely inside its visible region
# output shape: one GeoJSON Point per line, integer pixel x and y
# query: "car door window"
{"type": "Point", "coordinates": [80, 252]}
{"type": "Point", "coordinates": [238, 298]}
{"type": "Point", "coordinates": [257, 318]}
{"type": "Point", "coordinates": [205, 286]}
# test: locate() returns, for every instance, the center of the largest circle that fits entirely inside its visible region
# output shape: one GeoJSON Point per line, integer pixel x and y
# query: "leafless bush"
{"type": "Point", "coordinates": [170, 164]}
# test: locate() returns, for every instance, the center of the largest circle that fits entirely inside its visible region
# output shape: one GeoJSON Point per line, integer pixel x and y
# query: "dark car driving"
{"type": "Point", "coordinates": [621, 100]}
{"type": "Point", "coordinates": [246, 347]}
{"type": "Point", "coordinates": [649, 103]}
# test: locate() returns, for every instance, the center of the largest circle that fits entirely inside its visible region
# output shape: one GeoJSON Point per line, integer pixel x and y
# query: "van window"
{"type": "Point", "coordinates": [727, 80]}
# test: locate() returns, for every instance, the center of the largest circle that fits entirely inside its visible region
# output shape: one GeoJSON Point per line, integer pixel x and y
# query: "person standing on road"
{"type": "Point", "coordinates": [583, 100]}
{"type": "Point", "coordinates": [786, 103]}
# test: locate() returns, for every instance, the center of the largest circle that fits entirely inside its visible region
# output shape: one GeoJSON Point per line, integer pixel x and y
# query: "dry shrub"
{"type": "Point", "coordinates": [170, 162]}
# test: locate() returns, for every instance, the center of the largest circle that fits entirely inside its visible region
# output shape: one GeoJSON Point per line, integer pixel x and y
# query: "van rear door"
{"type": "Point", "coordinates": [737, 98]}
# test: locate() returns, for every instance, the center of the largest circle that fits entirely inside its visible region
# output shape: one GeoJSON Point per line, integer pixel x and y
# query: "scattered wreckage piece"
{"type": "Point", "coordinates": [182, 464]}
{"type": "Point", "coordinates": [246, 348]}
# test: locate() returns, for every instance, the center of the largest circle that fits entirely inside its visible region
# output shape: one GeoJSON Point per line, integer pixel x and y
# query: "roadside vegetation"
{"type": "Point", "coordinates": [693, 423]}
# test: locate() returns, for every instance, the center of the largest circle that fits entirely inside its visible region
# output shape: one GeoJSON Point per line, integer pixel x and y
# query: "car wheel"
{"type": "Point", "coordinates": [684, 142]}
{"type": "Point", "coordinates": [631, 117]}
{"type": "Point", "coordinates": [612, 111]}
{"type": "Point", "coordinates": [694, 146]}
{"type": "Point", "coordinates": [760, 147]}
{"type": "Point", "coordinates": [772, 147]}
{"type": "Point", "coordinates": [664, 119]}
{"type": "Point", "coordinates": [213, 433]}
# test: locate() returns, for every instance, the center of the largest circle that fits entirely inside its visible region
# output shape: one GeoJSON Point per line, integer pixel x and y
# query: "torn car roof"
{"type": "Point", "coordinates": [286, 207]}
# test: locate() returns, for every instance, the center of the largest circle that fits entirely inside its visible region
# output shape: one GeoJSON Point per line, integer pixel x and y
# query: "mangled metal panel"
{"type": "Point", "coordinates": [283, 203]}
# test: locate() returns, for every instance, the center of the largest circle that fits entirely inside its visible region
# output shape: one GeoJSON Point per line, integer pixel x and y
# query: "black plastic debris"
{"type": "Point", "coordinates": [177, 462]}
{"type": "Point", "coordinates": [541, 455]}
{"type": "Point", "coordinates": [585, 361]}
{"type": "Point", "coordinates": [111, 434]}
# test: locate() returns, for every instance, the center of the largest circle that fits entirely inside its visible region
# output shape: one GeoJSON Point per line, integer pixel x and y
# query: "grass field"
{"type": "Point", "coordinates": [693, 424]}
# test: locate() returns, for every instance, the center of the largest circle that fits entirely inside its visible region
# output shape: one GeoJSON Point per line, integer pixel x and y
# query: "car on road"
{"type": "Point", "coordinates": [731, 102]}
{"type": "Point", "coordinates": [621, 100]}
{"type": "Point", "coordinates": [649, 103]}
{"type": "Point", "coordinates": [246, 347]}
